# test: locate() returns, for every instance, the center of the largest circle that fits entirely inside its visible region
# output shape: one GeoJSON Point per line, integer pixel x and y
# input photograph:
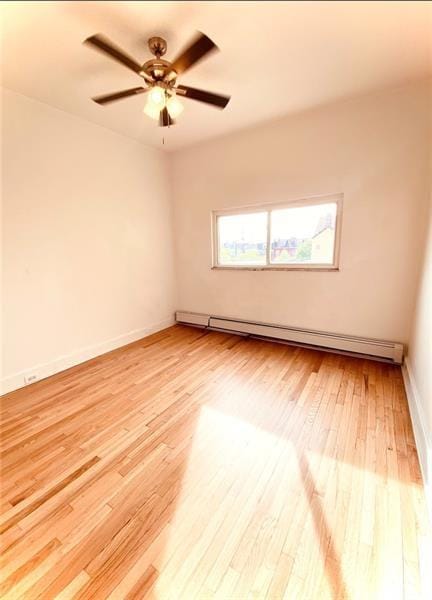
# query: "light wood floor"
{"type": "Point", "coordinates": [204, 465]}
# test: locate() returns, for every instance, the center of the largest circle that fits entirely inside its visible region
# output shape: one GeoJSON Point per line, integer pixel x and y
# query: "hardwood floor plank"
{"type": "Point", "coordinates": [195, 464]}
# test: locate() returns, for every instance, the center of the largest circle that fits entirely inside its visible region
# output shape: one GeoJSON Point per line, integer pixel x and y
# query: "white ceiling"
{"type": "Point", "coordinates": [276, 57]}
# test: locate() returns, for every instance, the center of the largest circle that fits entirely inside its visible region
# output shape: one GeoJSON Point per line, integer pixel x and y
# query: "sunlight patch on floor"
{"type": "Point", "coordinates": [259, 515]}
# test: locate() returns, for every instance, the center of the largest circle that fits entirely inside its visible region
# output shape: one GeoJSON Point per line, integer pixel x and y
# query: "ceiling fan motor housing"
{"type": "Point", "coordinates": [156, 69]}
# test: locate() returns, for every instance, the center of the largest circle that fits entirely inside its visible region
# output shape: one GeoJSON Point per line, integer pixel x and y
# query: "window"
{"type": "Point", "coordinates": [298, 235]}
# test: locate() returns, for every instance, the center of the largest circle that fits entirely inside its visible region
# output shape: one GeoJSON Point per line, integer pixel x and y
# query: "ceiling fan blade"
{"type": "Point", "coordinates": [106, 98]}
{"type": "Point", "coordinates": [104, 45]}
{"type": "Point", "coordinates": [200, 46]}
{"type": "Point", "coordinates": [202, 96]}
{"type": "Point", "coordinates": [165, 119]}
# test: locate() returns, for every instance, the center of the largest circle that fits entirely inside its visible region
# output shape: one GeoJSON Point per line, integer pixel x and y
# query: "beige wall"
{"type": "Point", "coordinates": [374, 150]}
{"type": "Point", "coordinates": [87, 240]}
{"type": "Point", "coordinates": [419, 361]}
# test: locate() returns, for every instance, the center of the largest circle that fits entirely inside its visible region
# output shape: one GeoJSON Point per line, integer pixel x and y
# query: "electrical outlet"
{"type": "Point", "coordinates": [30, 378]}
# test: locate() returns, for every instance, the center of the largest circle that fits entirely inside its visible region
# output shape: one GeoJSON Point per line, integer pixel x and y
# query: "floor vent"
{"type": "Point", "coordinates": [389, 351]}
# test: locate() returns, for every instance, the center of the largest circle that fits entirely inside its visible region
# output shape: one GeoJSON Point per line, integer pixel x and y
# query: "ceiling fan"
{"type": "Point", "coordinates": [160, 76]}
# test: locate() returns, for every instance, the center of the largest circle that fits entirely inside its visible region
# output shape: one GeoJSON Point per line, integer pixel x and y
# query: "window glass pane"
{"type": "Point", "coordinates": [242, 239]}
{"type": "Point", "coordinates": [304, 234]}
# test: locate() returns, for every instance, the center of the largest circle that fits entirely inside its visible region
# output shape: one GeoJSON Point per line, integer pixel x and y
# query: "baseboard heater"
{"type": "Point", "coordinates": [377, 349]}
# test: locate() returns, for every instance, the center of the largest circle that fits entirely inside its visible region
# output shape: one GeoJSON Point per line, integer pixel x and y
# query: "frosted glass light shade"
{"type": "Point", "coordinates": [157, 96]}
{"type": "Point", "coordinates": [175, 107]}
{"type": "Point", "coordinates": [152, 110]}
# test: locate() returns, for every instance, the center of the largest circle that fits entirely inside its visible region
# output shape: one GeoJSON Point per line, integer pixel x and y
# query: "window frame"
{"type": "Point", "coordinates": [258, 208]}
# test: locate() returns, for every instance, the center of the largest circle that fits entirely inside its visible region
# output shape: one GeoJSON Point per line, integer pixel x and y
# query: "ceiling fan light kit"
{"type": "Point", "coordinates": [174, 106]}
{"type": "Point", "coordinates": [160, 77]}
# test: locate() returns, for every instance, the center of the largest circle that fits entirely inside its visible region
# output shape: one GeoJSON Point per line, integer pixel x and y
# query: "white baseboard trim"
{"type": "Point", "coordinates": [16, 381]}
{"type": "Point", "coordinates": [423, 442]}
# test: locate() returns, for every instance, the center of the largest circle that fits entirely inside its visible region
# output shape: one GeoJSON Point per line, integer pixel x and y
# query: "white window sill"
{"type": "Point", "coordinates": [275, 268]}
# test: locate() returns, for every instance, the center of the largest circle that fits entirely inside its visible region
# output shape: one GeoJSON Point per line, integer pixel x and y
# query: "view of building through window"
{"type": "Point", "coordinates": [302, 234]}
{"type": "Point", "coordinates": [305, 234]}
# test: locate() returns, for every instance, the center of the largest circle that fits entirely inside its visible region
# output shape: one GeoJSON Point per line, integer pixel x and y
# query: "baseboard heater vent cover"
{"type": "Point", "coordinates": [391, 351]}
